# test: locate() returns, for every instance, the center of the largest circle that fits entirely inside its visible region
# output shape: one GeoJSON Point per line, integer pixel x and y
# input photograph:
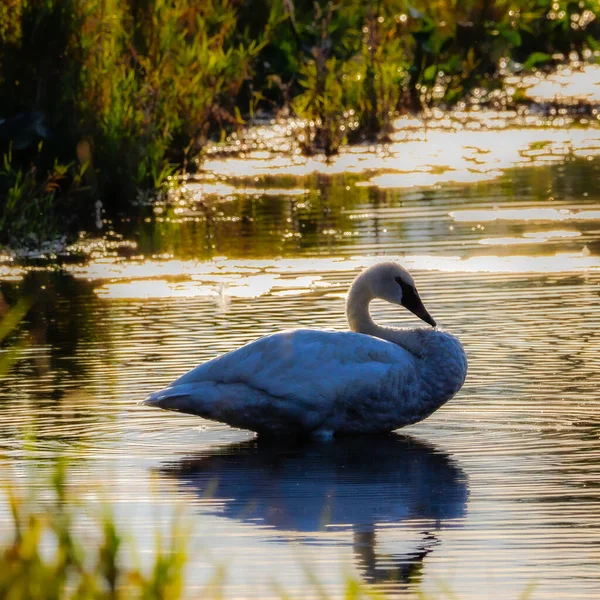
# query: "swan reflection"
{"type": "Point", "coordinates": [352, 484]}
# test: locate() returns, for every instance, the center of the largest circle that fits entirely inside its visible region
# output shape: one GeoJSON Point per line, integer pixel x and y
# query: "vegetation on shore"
{"type": "Point", "coordinates": [102, 101]}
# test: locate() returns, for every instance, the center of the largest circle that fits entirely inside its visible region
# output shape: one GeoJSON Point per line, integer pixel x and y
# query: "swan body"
{"type": "Point", "coordinates": [319, 382]}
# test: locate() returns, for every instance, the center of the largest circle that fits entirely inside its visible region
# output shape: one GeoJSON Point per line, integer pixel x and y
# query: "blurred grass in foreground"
{"type": "Point", "coordinates": [47, 560]}
{"type": "Point", "coordinates": [10, 317]}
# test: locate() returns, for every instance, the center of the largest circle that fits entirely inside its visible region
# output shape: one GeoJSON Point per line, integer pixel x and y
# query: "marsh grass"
{"type": "Point", "coordinates": [157, 79]}
{"type": "Point", "coordinates": [130, 92]}
{"type": "Point", "coordinates": [48, 559]}
{"type": "Point", "coordinates": [376, 59]}
{"type": "Point", "coordinates": [28, 214]}
{"type": "Point", "coordinates": [139, 88]}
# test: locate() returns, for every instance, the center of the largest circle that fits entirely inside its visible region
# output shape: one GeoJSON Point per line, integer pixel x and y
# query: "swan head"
{"type": "Point", "coordinates": [393, 283]}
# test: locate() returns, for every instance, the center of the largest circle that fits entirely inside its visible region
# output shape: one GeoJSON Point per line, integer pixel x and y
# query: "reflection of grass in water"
{"type": "Point", "coordinates": [44, 366]}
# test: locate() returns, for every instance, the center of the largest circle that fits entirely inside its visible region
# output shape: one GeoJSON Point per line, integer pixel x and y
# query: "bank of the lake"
{"type": "Point", "coordinates": [102, 102]}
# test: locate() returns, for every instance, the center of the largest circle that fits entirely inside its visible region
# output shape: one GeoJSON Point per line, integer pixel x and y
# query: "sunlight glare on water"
{"type": "Point", "coordinates": [494, 493]}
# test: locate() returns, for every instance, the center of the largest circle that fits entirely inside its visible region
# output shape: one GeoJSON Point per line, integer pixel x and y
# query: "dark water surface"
{"type": "Point", "coordinates": [498, 491]}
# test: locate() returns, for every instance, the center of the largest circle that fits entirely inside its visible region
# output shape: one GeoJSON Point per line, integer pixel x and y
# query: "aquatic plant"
{"type": "Point", "coordinates": [459, 46]}
{"type": "Point", "coordinates": [352, 74]}
{"type": "Point", "coordinates": [47, 559]}
{"type": "Point", "coordinates": [156, 83]}
{"type": "Point", "coordinates": [140, 88]}
{"type": "Point", "coordinates": [357, 65]}
{"type": "Point", "coordinates": [27, 212]}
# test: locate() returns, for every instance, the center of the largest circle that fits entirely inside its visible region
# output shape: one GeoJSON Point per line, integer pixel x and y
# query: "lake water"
{"type": "Point", "coordinates": [495, 495]}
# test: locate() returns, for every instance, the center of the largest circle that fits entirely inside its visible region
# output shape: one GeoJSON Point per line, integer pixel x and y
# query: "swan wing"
{"type": "Point", "coordinates": [289, 380]}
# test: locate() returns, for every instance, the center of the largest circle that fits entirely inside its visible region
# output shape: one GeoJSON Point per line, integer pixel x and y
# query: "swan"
{"type": "Point", "coordinates": [322, 383]}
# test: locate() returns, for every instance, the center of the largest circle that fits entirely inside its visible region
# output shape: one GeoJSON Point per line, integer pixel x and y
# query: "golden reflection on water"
{"type": "Point", "coordinates": [412, 180]}
{"type": "Point", "coordinates": [426, 154]}
{"type": "Point", "coordinates": [199, 189]}
{"type": "Point", "coordinates": [529, 238]}
{"type": "Point", "coordinates": [11, 273]}
{"type": "Point", "coordinates": [524, 214]}
{"type": "Point", "coordinates": [567, 85]}
{"type": "Point", "coordinates": [247, 279]}
{"type": "Point", "coordinates": [225, 286]}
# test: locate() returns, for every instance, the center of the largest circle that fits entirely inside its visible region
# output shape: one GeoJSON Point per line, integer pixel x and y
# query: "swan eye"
{"type": "Point", "coordinates": [409, 294]}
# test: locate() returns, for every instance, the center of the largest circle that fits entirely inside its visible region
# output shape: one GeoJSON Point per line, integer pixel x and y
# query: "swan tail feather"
{"type": "Point", "coordinates": [237, 404]}
{"type": "Point", "coordinates": [186, 398]}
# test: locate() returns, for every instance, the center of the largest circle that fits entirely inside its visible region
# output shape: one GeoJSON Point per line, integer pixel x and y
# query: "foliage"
{"type": "Point", "coordinates": [128, 89]}
{"type": "Point", "coordinates": [27, 215]}
{"type": "Point", "coordinates": [130, 92]}
{"type": "Point", "coordinates": [352, 76]}
{"type": "Point", "coordinates": [46, 559]}
{"type": "Point", "coordinates": [321, 104]}
{"type": "Point", "coordinates": [154, 83]}
{"type": "Point", "coordinates": [372, 60]}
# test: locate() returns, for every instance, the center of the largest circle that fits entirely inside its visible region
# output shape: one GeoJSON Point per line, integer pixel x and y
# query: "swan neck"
{"type": "Point", "coordinates": [357, 308]}
{"type": "Point", "coordinates": [359, 317]}
{"type": "Point", "coordinates": [360, 320]}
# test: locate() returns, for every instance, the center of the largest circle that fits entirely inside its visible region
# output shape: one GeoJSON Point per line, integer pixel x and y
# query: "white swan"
{"type": "Point", "coordinates": [307, 381]}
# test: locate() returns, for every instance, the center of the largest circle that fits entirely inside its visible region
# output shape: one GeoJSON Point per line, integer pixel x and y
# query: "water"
{"type": "Point", "coordinates": [495, 493]}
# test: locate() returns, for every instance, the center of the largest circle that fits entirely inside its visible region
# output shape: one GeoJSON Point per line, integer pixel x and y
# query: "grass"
{"type": "Point", "coordinates": [124, 95]}
{"type": "Point", "coordinates": [46, 559]}
{"type": "Point", "coordinates": [27, 213]}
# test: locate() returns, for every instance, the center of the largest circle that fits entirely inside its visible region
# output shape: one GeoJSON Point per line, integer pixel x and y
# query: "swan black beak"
{"type": "Point", "coordinates": [424, 315]}
{"type": "Point", "coordinates": [412, 301]}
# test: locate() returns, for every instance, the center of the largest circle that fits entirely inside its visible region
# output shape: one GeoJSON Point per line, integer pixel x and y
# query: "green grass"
{"type": "Point", "coordinates": [78, 569]}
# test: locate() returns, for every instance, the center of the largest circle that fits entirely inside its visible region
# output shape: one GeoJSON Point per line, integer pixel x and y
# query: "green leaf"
{"type": "Point", "coordinates": [13, 317]}
{"type": "Point", "coordinates": [535, 58]}
{"type": "Point", "coordinates": [454, 64]}
{"type": "Point", "coordinates": [511, 36]}
{"type": "Point", "coordinates": [430, 73]}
